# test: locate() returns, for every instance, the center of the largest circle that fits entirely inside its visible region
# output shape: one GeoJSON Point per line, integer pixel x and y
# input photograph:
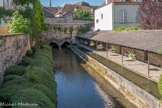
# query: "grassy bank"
{"type": "Point", "coordinates": [32, 81]}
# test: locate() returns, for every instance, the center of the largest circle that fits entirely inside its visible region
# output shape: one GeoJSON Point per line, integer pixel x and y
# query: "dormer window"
{"type": "Point", "coordinates": [138, 0]}
{"type": "Point", "coordinates": [77, 8]}
{"type": "Point", "coordinates": [122, 0]}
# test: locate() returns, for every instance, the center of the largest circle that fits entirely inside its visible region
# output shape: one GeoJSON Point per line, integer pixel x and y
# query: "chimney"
{"type": "Point", "coordinates": [50, 3]}
{"type": "Point", "coordinates": [106, 1]}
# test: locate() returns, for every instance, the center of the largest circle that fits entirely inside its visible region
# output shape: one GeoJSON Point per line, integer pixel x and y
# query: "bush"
{"type": "Point", "coordinates": [11, 77]}
{"type": "Point", "coordinates": [37, 84]}
{"type": "Point", "coordinates": [8, 89]}
{"type": "Point", "coordinates": [29, 53]}
{"type": "Point", "coordinates": [35, 48]}
{"type": "Point", "coordinates": [127, 28]}
{"type": "Point", "coordinates": [31, 95]}
{"type": "Point", "coordinates": [26, 61]}
{"type": "Point", "coordinates": [83, 14]}
{"type": "Point", "coordinates": [15, 70]}
{"type": "Point", "coordinates": [33, 74]}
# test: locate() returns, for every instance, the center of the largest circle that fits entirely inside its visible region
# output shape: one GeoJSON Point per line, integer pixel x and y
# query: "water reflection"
{"type": "Point", "coordinates": [75, 87]}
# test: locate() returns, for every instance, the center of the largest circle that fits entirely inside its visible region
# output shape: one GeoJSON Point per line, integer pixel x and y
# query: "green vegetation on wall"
{"type": "Point", "coordinates": [127, 28]}
{"type": "Point", "coordinates": [4, 13]}
{"type": "Point", "coordinates": [71, 29]}
{"type": "Point", "coordinates": [83, 14]}
{"type": "Point", "coordinates": [32, 81]}
{"type": "Point", "coordinates": [160, 85]}
{"type": "Point", "coordinates": [83, 29]}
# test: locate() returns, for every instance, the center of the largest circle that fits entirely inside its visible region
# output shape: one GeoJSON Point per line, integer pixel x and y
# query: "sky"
{"type": "Point", "coordinates": [62, 2]}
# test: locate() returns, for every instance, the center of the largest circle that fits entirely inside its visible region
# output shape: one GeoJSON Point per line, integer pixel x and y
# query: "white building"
{"type": "Point", "coordinates": [117, 13]}
{"type": "Point", "coordinates": [6, 3]}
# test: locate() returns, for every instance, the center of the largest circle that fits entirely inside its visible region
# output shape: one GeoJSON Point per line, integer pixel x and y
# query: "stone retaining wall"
{"type": "Point", "coordinates": [12, 48]}
{"type": "Point", "coordinates": [136, 95]}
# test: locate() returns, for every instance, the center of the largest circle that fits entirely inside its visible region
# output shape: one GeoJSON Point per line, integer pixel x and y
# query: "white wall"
{"type": "Point", "coordinates": [1, 3]}
{"type": "Point", "coordinates": [131, 11]}
{"type": "Point", "coordinates": [107, 22]}
{"type": "Point", "coordinates": [9, 3]}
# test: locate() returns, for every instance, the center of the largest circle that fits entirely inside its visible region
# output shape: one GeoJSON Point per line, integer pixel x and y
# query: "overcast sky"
{"type": "Point", "coordinates": [62, 2]}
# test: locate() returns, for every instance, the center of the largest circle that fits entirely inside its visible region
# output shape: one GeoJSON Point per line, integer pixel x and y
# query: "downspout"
{"type": "Point", "coordinates": [113, 16]}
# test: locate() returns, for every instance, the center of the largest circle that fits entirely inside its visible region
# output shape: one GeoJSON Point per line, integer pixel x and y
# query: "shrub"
{"type": "Point", "coordinates": [33, 74]}
{"type": "Point", "coordinates": [31, 95]}
{"type": "Point", "coordinates": [69, 46]}
{"type": "Point", "coordinates": [1, 37]}
{"type": "Point", "coordinates": [50, 94]}
{"type": "Point", "coordinates": [37, 84]}
{"type": "Point", "coordinates": [26, 61]}
{"type": "Point", "coordinates": [29, 53]}
{"type": "Point", "coordinates": [35, 48]}
{"type": "Point", "coordinates": [8, 89]}
{"type": "Point", "coordinates": [113, 49]}
{"type": "Point", "coordinates": [15, 70]}
{"type": "Point", "coordinates": [127, 28]}
{"type": "Point", "coordinates": [11, 77]}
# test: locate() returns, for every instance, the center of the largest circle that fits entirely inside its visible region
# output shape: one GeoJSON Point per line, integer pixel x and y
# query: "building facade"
{"type": "Point", "coordinates": [117, 13]}
{"type": "Point", "coordinates": [6, 3]}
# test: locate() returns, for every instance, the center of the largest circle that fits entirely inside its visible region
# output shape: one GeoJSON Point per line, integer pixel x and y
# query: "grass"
{"type": "Point", "coordinates": [32, 81]}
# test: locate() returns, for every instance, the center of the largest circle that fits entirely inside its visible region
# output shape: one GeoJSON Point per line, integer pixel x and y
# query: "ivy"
{"type": "Point", "coordinates": [1, 37]}
{"type": "Point", "coordinates": [71, 29]}
{"type": "Point", "coordinates": [82, 29]}
{"type": "Point", "coordinates": [36, 15]}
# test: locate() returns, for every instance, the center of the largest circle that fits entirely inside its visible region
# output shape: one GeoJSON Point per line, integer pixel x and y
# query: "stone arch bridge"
{"type": "Point", "coordinates": [60, 33]}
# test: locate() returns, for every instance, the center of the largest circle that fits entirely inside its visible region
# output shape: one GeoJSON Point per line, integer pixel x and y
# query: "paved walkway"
{"type": "Point", "coordinates": [137, 66]}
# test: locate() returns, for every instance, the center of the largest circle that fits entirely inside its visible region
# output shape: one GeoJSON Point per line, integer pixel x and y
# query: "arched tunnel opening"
{"type": "Point", "coordinates": [54, 45]}
{"type": "Point", "coordinates": [65, 44]}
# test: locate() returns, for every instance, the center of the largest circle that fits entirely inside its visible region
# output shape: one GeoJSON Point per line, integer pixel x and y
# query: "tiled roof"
{"type": "Point", "coordinates": [51, 11]}
{"type": "Point", "coordinates": [148, 40]}
{"type": "Point", "coordinates": [72, 7]}
{"type": "Point", "coordinates": [80, 5]}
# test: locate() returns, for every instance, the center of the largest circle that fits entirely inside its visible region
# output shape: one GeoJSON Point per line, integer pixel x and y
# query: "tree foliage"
{"type": "Point", "coordinates": [83, 14]}
{"type": "Point", "coordinates": [19, 24]}
{"type": "Point", "coordinates": [151, 14]}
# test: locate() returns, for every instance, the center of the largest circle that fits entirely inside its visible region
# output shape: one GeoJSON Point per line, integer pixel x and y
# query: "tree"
{"type": "Point", "coordinates": [19, 24]}
{"type": "Point", "coordinates": [82, 14]}
{"type": "Point", "coordinates": [151, 14]}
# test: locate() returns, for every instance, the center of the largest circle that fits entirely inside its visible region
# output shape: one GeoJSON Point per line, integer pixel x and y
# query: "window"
{"type": "Point", "coordinates": [97, 21]}
{"type": "Point", "coordinates": [101, 16]}
{"type": "Point", "coordinates": [122, 0]}
{"type": "Point", "coordinates": [123, 16]}
{"type": "Point", "coordinates": [138, 0]}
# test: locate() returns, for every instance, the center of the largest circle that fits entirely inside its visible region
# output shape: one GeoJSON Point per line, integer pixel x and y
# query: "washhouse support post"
{"type": "Point", "coordinates": [122, 55]}
{"type": "Point", "coordinates": [148, 65]}
{"type": "Point", "coordinates": [106, 52]}
{"type": "Point", "coordinates": [96, 49]}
